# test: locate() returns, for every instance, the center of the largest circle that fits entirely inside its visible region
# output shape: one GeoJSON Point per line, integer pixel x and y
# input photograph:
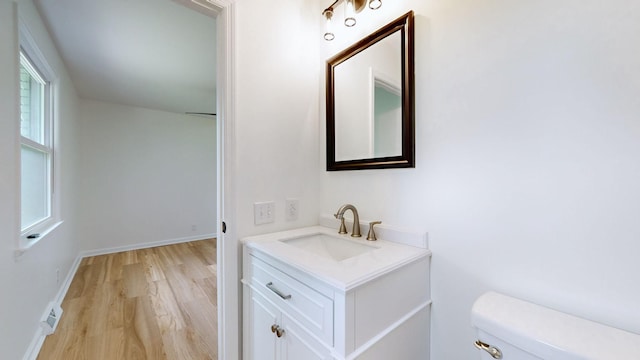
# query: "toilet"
{"type": "Point", "coordinates": [513, 329]}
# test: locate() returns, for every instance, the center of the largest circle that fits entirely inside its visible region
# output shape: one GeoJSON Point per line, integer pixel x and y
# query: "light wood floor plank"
{"type": "Point", "coordinates": [157, 303]}
{"type": "Point", "coordinates": [152, 266]}
{"type": "Point", "coordinates": [135, 280]}
{"type": "Point", "coordinates": [168, 256]}
{"type": "Point", "coordinates": [187, 344]}
{"type": "Point", "coordinates": [198, 314]}
{"type": "Point", "coordinates": [209, 289]}
{"type": "Point", "coordinates": [106, 346]}
{"type": "Point", "coordinates": [114, 267]}
{"type": "Point", "coordinates": [184, 288]}
{"type": "Point", "coordinates": [167, 310]}
{"type": "Point", "coordinates": [141, 333]}
{"type": "Point", "coordinates": [106, 311]}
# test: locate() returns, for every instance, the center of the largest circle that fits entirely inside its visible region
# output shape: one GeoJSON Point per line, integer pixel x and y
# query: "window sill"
{"type": "Point", "coordinates": [25, 244]}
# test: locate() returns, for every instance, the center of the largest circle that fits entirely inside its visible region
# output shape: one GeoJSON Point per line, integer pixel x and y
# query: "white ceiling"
{"type": "Point", "coordinates": [154, 54]}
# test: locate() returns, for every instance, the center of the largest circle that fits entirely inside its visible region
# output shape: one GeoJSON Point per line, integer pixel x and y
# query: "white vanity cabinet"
{"type": "Point", "coordinates": [272, 303]}
{"type": "Point", "coordinates": [298, 306]}
{"type": "Point", "coordinates": [273, 335]}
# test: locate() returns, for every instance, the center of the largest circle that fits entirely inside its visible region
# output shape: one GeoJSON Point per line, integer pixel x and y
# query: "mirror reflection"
{"type": "Point", "coordinates": [368, 93]}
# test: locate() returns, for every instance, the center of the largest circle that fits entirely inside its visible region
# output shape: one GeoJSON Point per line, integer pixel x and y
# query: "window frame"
{"type": "Point", "coordinates": [30, 52]}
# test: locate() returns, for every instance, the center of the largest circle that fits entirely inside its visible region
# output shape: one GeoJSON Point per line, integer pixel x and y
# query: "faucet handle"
{"type": "Point", "coordinates": [371, 236]}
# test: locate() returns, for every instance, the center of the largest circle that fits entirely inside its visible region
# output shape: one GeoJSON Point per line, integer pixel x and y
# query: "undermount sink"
{"type": "Point", "coordinates": [330, 247]}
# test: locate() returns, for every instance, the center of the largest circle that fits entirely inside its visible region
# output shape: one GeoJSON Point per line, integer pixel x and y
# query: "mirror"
{"type": "Point", "coordinates": [370, 101]}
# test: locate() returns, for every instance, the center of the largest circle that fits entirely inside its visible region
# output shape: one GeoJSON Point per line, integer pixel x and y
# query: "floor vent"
{"type": "Point", "coordinates": [51, 318]}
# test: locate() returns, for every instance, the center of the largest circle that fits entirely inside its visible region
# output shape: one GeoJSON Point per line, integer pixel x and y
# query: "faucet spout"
{"type": "Point", "coordinates": [356, 219]}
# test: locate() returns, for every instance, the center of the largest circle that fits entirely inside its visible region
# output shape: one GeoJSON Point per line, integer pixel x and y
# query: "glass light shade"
{"type": "Point", "coordinates": [349, 14]}
{"type": "Point", "coordinates": [328, 34]}
{"type": "Point", "coordinates": [375, 4]}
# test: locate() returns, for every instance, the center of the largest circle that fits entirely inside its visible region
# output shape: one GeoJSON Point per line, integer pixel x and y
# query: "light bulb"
{"type": "Point", "coordinates": [349, 14]}
{"type": "Point", "coordinates": [328, 34]}
{"type": "Point", "coordinates": [375, 4]}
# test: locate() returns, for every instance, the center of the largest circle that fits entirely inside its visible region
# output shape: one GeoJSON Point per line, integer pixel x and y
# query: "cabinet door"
{"type": "Point", "coordinates": [262, 315]}
{"type": "Point", "coordinates": [297, 344]}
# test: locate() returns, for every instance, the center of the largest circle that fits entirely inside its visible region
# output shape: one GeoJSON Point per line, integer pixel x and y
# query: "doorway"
{"type": "Point", "coordinates": [228, 249]}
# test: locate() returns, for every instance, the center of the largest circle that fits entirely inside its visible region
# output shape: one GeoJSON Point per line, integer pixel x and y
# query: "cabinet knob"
{"type": "Point", "coordinates": [277, 330]}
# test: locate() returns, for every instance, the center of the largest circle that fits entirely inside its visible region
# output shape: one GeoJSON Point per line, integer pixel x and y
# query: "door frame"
{"type": "Point", "coordinates": [228, 248]}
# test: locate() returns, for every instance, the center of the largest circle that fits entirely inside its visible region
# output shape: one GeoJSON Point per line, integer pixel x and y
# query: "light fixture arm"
{"type": "Point", "coordinates": [330, 8]}
{"type": "Point", "coordinates": [358, 5]}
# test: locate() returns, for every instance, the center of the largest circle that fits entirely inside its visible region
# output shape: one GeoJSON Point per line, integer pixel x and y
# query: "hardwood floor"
{"type": "Point", "coordinates": [157, 303]}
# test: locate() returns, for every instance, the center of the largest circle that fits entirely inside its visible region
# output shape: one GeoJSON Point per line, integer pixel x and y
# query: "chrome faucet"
{"type": "Point", "coordinates": [356, 220]}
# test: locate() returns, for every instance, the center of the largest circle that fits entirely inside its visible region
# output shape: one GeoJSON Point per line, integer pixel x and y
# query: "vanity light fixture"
{"type": "Point", "coordinates": [351, 8]}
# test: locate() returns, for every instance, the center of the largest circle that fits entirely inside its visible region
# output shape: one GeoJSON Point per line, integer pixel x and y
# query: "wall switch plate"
{"type": "Point", "coordinates": [264, 212]}
{"type": "Point", "coordinates": [291, 209]}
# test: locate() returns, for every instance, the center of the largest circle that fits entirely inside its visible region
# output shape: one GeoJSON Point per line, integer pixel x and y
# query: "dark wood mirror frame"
{"type": "Point", "coordinates": [404, 25]}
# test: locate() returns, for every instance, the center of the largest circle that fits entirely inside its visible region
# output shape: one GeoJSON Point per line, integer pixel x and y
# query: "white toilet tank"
{"type": "Point", "coordinates": [512, 329]}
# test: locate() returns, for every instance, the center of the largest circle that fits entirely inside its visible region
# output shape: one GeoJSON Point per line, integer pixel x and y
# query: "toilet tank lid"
{"type": "Point", "coordinates": [549, 333]}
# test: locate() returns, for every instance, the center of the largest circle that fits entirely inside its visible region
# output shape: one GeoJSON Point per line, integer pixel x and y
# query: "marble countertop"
{"type": "Point", "coordinates": [342, 275]}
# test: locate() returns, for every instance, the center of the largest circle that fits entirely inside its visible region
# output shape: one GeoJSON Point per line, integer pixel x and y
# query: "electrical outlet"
{"type": "Point", "coordinates": [291, 209]}
{"type": "Point", "coordinates": [264, 212]}
{"type": "Point", "coordinates": [57, 276]}
{"type": "Point", "coordinates": [194, 227]}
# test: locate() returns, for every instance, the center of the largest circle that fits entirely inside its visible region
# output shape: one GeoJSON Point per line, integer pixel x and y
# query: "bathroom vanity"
{"type": "Point", "coordinates": [311, 293]}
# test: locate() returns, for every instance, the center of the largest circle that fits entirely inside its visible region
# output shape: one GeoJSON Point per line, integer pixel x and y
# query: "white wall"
{"type": "Point", "coordinates": [527, 157]}
{"type": "Point", "coordinates": [278, 72]}
{"type": "Point", "coordinates": [147, 175]}
{"type": "Point", "coordinates": [29, 283]}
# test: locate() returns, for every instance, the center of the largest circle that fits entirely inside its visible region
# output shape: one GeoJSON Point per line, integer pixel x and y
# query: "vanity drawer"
{"type": "Point", "coordinates": [302, 303]}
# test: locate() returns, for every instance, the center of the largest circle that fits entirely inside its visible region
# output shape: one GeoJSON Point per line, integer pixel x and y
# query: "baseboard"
{"type": "Point", "coordinates": [36, 343]}
{"type": "Point", "coordinates": [67, 280]}
{"type": "Point", "coordinates": [117, 249]}
{"type": "Point", "coordinates": [34, 347]}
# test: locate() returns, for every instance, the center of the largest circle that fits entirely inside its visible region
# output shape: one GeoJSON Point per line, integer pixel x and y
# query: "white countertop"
{"type": "Point", "coordinates": [342, 275]}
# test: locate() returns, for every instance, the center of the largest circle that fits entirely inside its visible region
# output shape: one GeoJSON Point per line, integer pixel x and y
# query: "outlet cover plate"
{"type": "Point", "coordinates": [292, 207]}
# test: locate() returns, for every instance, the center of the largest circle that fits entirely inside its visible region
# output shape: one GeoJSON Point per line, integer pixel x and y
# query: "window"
{"type": "Point", "coordinates": [36, 148]}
